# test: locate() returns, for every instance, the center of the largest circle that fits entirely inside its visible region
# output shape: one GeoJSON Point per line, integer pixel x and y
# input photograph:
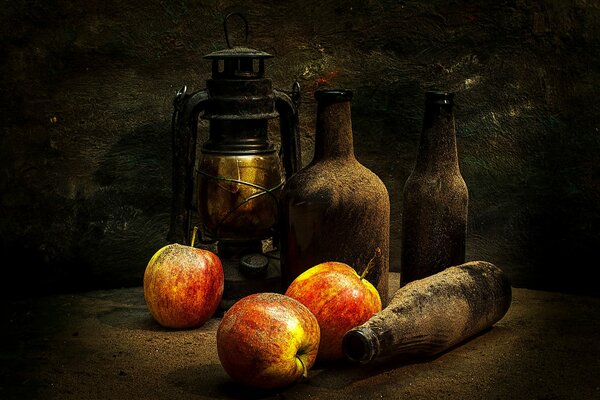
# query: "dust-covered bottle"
{"type": "Point", "coordinates": [430, 315]}
{"type": "Point", "coordinates": [435, 197]}
{"type": "Point", "coordinates": [335, 208]}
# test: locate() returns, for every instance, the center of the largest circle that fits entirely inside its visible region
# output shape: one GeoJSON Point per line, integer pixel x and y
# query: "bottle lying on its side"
{"type": "Point", "coordinates": [430, 315]}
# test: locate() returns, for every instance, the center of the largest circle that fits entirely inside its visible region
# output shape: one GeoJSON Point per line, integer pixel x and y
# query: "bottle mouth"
{"type": "Point", "coordinates": [333, 95]}
{"type": "Point", "coordinates": [439, 97]}
{"type": "Point", "coordinates": [360, 345]}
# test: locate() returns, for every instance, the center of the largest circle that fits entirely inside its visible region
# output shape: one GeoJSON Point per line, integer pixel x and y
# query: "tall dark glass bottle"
{"type": "Point", "coordinates": [335, 209]}
{"type": "Point", "coordinates": [435, 197]}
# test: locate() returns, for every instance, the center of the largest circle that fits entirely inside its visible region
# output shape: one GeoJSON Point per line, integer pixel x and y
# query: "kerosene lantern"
{"type": "Point", "coordinates": [235, 184]}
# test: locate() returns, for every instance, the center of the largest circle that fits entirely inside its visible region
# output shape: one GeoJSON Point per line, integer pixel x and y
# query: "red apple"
{"type": "Point", "coordinates": [183, 286]}
{"type": "Point", "coordinates": [339, 298]}
{"type": "Point", "coordinates": [267, 340]}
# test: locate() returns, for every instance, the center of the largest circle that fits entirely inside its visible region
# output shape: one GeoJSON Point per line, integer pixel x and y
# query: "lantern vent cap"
{"type": "Point", "coordinates": [238, 52]}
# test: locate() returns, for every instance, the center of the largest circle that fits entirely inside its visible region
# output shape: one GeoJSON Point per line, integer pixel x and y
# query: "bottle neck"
{"type": "Point", "coordinates": [437, 148]}
{"type": "Point", "coordinates": [333, 135]}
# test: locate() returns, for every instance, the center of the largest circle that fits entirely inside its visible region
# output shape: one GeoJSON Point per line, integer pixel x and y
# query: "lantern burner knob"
{"type": "Point", "coordinates": [254, 264]}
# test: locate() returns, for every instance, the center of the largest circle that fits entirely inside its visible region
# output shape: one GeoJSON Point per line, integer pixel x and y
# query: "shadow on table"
{"type": "Point", "coordinates": [130, 318]}
{"type": "Point", "coordinates": [340, 374]}
{"type": "Point", "coordinates": [211, 381]}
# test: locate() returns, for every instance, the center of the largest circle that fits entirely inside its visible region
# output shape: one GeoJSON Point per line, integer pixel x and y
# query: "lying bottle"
{"type": "Point", "coordinates": [430, 315]}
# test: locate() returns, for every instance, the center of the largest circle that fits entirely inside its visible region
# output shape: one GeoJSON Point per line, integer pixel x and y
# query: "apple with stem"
{"type": "Point", "coordinates": [339, 298]}
{"type": "Point", "coordinates": [268, 340]}
{"type": "Point", "coordinates": [183, 285]}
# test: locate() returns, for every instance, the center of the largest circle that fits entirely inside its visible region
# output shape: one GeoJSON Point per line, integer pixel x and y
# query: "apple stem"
{"type": "Point", "coordinates": [371, 263]}
{"type": "Point", "coordinates": [194, 236]}
{"type": "Point", "coordinates": [304, 370]}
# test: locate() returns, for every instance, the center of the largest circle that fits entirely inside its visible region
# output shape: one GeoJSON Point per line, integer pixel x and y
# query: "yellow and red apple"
{"type": "Point", "coordinates": [267, 340]}
{"type": "Point", "coordinates": [183, 286]}
{"type": "Point", "coordinates": [339, 298]}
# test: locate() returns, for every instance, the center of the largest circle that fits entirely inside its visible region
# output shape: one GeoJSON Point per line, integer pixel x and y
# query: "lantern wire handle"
{"type": "Point", "coordinates": [227, 32]}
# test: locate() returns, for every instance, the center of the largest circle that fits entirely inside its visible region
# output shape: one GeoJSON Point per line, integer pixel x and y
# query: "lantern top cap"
{"type": "Point", "coordinates": [238, 52]}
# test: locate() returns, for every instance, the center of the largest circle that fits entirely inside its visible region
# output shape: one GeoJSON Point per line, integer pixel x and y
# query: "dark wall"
{"type": "Point", "coordinates": [85, 153]}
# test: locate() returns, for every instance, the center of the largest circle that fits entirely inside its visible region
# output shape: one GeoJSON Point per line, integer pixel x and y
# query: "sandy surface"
{"type": "Point", "coordinates": [105, 345]}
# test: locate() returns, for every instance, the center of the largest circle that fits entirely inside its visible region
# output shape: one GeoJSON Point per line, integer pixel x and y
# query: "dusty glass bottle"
{"type": "Point", "coordinates": [335, 208]}
{"type": "Point", "coordinates": [435, 197]}
{"type": "Point", "coordinates": [430, 315]}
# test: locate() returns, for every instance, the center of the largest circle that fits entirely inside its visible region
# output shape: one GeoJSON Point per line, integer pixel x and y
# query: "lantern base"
{"type": "Point", "coordinates": [249, 274]}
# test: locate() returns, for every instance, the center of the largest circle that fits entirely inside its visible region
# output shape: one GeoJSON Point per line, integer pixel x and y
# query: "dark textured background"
{"type": "Point", "coordinates": [87, 91]}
